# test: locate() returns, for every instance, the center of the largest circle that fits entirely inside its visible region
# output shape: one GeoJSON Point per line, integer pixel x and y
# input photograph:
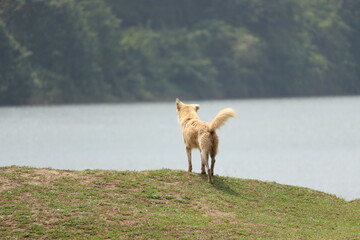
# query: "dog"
{"type": "Point", "coordinates": [200, 134]}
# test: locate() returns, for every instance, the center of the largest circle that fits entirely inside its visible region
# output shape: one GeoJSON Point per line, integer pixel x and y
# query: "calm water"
{"type": "Point", "coordinates": [311, 142]}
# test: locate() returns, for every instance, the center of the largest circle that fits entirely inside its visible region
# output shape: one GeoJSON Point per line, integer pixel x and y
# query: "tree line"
{"type": "Point", "coordinates": [66, 51]}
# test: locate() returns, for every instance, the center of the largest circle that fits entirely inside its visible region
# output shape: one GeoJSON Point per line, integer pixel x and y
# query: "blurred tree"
{"type": "Point", "coordinates": [14, 70]}
{"type": "Point", "coordinates": [351, 14]}
{"type": "Point", "coordinates": [116, 50]}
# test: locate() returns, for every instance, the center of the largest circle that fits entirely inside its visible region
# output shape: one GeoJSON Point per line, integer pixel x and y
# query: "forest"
{"type": "Point", "coordinates": [85, 51]}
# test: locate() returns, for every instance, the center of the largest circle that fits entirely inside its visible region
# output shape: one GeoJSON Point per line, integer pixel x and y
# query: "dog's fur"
{"type": "Point", "coordinates": [200, 134]}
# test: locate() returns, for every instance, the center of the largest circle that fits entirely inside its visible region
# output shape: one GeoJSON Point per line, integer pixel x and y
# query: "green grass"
{"type": "Point", "coordinates": [165, 204]}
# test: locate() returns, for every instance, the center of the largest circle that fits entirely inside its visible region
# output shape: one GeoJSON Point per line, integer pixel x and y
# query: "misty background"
{"type": "Point", "coordinates": [80, 51]}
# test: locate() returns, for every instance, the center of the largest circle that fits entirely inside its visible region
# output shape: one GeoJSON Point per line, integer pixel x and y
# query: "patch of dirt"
{"type": "Point", "coordinates": [42, 177]}
{"type": "Point", "coordinates": [12, 177]}
{"type": "Point", "coordinates": [6, 184]}
{"type": "Point", "coordinates": [211, 211]}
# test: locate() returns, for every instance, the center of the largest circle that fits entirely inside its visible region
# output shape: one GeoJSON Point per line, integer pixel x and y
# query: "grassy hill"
{"type": "Point", "coordinates": [165, 204]}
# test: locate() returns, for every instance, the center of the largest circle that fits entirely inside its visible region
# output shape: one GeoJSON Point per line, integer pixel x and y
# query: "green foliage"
{"type": "Point", "coordinates": [118, 50]}
{"type": "Point", "coordinates": [14, 87]}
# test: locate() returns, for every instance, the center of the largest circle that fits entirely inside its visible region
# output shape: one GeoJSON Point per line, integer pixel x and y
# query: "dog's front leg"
{"type": "Point", "coordinates": [203, 168]}
{"type": "Point", "coordinates": [188, 151]}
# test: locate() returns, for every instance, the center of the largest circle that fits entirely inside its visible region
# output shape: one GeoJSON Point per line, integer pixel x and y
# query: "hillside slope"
{"type": "Point", "coordinates": [97, 204]}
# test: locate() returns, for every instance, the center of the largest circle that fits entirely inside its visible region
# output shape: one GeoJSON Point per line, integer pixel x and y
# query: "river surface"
{"type": "Point", "coordinates": [309, 142]}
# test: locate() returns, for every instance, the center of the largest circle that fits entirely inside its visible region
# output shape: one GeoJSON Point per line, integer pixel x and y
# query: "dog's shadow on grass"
{"type": "Point", "coordinates": [221, 185]}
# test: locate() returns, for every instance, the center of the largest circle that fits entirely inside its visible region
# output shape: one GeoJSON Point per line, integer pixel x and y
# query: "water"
{"type": "Point", "coordinates": [310, 142]}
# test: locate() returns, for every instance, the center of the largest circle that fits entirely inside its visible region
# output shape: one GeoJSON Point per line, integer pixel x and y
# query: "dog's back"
{"type": "Point", "coordinates": [198, 134]}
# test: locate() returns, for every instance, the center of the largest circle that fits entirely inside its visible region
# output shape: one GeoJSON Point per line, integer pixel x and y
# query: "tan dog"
{"type": "Point", "coordinates": [200, 134]}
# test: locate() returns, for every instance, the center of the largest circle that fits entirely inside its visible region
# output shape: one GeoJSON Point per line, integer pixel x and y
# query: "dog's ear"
{"type": "Point", "coordinates": [178, 104]}
{"type": "Point", "coordinates": [196, 106]}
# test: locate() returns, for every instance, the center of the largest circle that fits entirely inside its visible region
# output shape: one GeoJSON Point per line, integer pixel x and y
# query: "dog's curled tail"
{"type": "Point", "coordinates": [221, 118]}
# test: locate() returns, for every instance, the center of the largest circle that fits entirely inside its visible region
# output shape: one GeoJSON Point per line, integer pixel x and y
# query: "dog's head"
{"type": "Point", "coordinates": [186, 110]}
{"type": "Point", "coordinates": [180, 105]}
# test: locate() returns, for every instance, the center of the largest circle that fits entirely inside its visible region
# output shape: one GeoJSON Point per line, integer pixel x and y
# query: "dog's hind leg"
{"type": "Point", "coordinates": [205, 160]}
{"type": "Point", "coordinates": [202, 166]}
{"type": "Point", "coordinates": [213, 151]}
{"type": "Point", "coordinates": [212, 164]}
{"type": "Point", "coordinates": [188, 151]}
